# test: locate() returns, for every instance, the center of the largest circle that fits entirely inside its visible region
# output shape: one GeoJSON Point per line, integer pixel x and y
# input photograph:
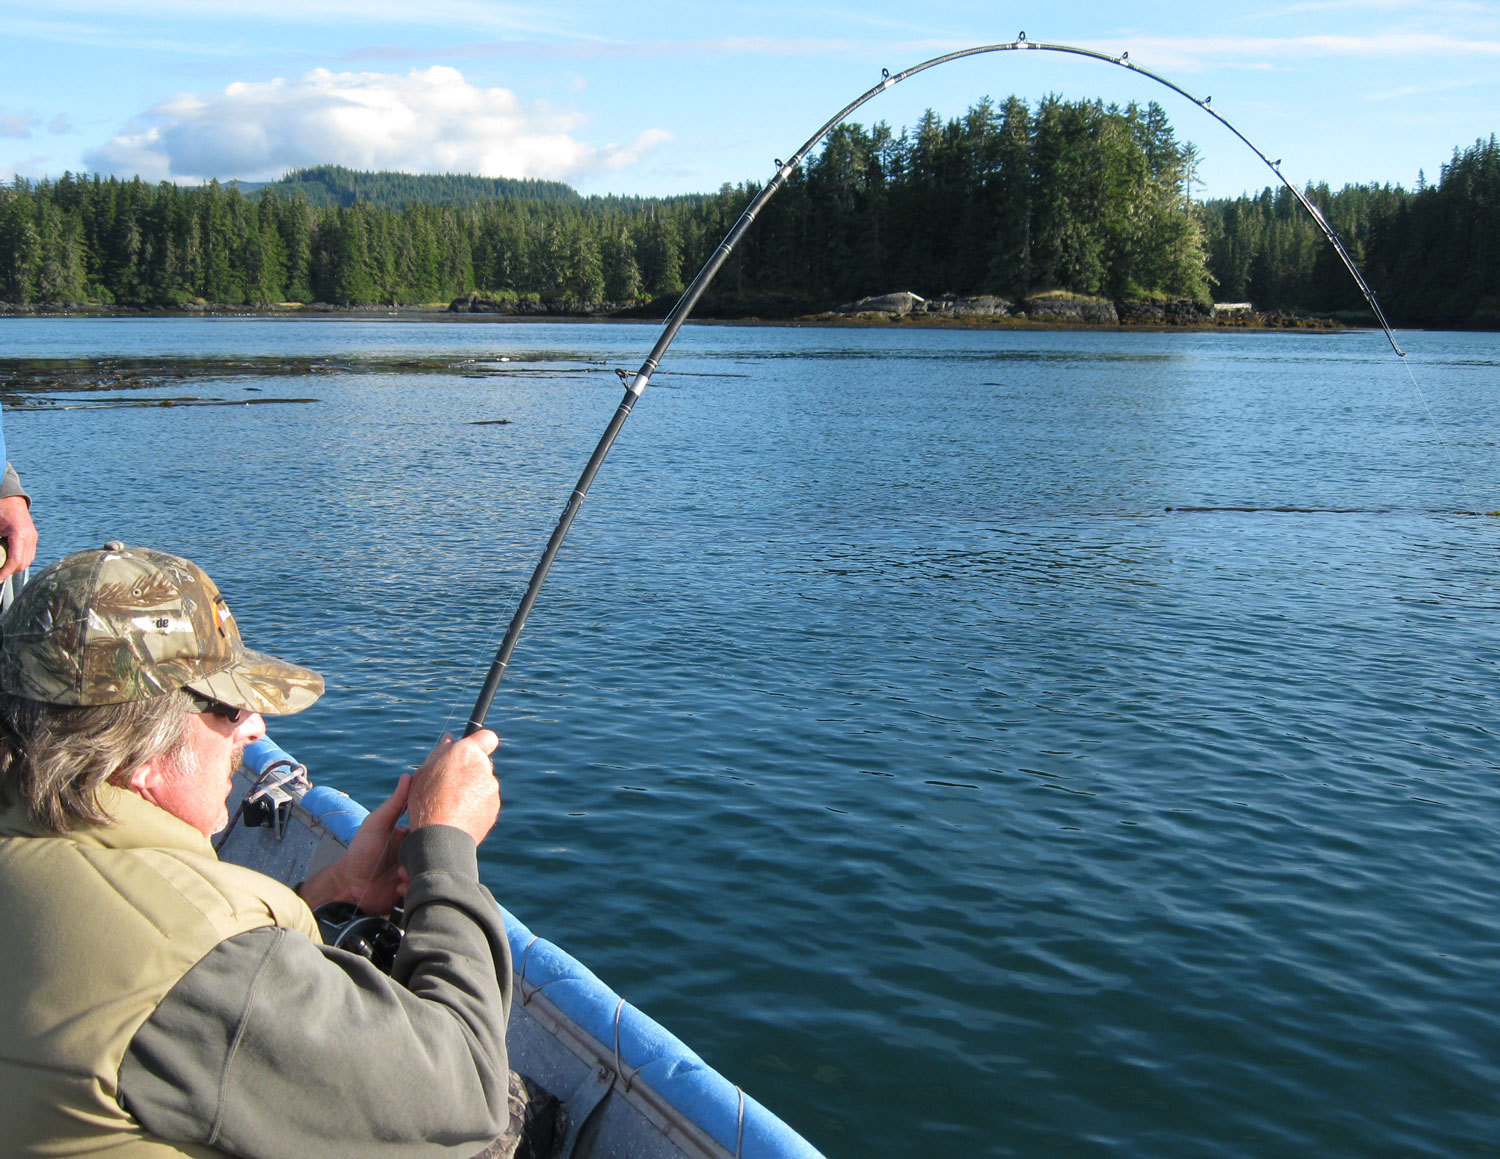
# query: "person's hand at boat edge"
{"type": "Point", "coordinates": [370, 873]}
{"type": "Point", "coordinates": [19, 534]}
{"type": "Point", "coordinates": [456, 786]}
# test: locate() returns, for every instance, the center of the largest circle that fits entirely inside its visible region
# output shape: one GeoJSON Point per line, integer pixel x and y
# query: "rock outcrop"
{"type": "Point", "coordinates": [1070, 309]}
{"type": "Point", "coordinates": [899, 304]}
{"type": "Point", "coordinates": [1052, 308]}
{"type": "Point", "coordinates": [1164, 314]}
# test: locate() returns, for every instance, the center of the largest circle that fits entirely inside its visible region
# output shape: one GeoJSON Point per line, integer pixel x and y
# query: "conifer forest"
{"type": "Point", "coordinates": [1007, 200]}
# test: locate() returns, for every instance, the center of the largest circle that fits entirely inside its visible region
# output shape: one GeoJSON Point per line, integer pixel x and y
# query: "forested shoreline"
{"type": "Point", "coordinates": [1011, 200]}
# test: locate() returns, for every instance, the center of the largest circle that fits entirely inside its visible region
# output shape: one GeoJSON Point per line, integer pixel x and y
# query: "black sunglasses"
{"type": "Point", "coordinates": [218, 708]}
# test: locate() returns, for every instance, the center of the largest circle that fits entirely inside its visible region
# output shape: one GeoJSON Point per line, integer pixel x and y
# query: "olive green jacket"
{"type": "Point", "coordinates": [160, 1002]}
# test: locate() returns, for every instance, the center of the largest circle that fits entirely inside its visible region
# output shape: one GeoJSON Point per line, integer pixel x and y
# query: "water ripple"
{"type": "Point", "coordinates": [888, 729]}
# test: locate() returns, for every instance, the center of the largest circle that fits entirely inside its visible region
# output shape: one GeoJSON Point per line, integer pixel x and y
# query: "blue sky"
{"type": "Point", "coordinates": [675, 96]}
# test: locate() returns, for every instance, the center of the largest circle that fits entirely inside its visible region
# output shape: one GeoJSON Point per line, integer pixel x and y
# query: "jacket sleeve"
{"type": "Point", "coordinates": [274, 1046]}
{"type": "Point", "coordinates": [10, 484]}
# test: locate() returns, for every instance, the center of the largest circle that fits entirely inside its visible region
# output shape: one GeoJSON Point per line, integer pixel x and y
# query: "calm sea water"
{"type": "Point", "coordinates": [887, 729]}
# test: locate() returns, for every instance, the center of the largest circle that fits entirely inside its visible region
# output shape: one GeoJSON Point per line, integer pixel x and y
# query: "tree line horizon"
{"type": "Point", "coordinates": [1009, 200]}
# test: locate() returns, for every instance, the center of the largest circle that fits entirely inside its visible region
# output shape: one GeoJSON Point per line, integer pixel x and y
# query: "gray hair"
{"type": "Point", "coordinates": [54, 757]}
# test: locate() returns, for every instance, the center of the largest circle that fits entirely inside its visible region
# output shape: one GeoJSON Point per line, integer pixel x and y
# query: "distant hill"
{"type": "Point", "coordinates": [335, 185]}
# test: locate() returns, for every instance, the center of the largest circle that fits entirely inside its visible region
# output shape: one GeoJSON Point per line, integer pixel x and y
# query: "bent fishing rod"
{"type": "Point", "coordinates": [636, 385]}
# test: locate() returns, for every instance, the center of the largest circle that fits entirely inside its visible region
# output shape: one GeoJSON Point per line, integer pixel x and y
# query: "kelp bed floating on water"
{"type": "Point", "coordinates": [50, 383]}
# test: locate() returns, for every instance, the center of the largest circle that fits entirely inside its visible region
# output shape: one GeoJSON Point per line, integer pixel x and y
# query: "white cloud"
{"type": "Point", "coordinates": [17, 125]}
{"type": "Point", "coordinates": [427, 121]}
{"type": "Point", "coordinates": [628, 155]}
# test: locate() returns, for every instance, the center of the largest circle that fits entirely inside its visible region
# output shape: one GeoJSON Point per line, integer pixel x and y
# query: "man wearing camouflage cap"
{"type": "Point", "coordinates": [159, 1002]}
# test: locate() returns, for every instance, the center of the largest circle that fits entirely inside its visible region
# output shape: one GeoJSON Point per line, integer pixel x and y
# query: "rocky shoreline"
{"type": "Point", "coordinates": [1052, 311]}
{"type": "Point", "coordinates": [1061, 309]}
{"type": "Point", "coordinates": [902, 308]}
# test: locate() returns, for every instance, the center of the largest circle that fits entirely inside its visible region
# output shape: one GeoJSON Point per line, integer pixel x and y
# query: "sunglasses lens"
{"type": "Point", "coordinates": [217, 708]}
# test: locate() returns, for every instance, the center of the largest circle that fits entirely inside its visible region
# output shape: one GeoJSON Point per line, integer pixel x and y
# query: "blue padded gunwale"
{"type": "Point", "coordinates": [649, 1053]}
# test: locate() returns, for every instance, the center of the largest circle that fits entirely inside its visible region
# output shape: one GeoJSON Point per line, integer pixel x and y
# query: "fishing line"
{"type": "Point", "coordinates": [635, 385]}
{"type": "Point", "coordinates": [1448, 451]}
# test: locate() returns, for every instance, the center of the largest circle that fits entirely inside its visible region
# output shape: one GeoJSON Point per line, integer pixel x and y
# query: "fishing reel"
{"type": "Point", "coordinates": [372, 936]}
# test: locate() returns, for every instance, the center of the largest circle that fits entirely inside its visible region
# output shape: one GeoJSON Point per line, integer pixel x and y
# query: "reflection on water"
{"type": "Point", "coordinates": [898, 737]}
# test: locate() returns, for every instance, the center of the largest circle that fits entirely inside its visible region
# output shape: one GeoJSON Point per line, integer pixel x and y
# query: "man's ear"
{"type": "Point", "coordinates": [145, 779]}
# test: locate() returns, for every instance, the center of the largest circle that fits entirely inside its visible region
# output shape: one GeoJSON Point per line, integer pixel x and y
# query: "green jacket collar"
{"type": "Point", "coordinates": [138, 824]}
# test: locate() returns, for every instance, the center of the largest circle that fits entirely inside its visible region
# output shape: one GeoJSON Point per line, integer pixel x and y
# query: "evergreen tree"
{"type": "Point", "coordinates": [20, 244]}
{"type": "Point", "coordinates": [660, 255]}
{"type": "Point", "coordinates": [586, 283]}
{"type": "Point", "coordinates": [344, 276]}
{"type": "Point", "coordinates": [1008, 191]}
{"type": "Point", "coordinates": [60, 274]}
{"type": "Point", "coordinates": [622, 273]}
{"type": "Point", "coordinates": [295, 230]}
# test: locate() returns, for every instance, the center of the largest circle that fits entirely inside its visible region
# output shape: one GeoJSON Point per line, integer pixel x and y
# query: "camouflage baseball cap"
{"type": "Point", "coordinates": [127, 623]}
